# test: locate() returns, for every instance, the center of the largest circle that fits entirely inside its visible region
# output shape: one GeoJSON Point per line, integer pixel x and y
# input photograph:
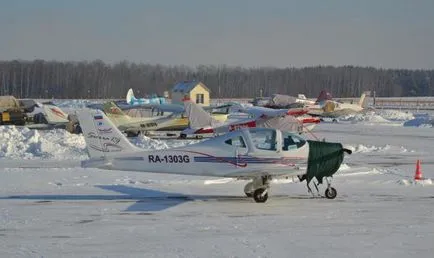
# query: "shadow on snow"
{"type": "Point", "coordinates": [145, 200]}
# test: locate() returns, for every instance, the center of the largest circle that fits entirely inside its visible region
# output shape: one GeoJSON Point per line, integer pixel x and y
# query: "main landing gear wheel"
{"type": "Point", "coordinates": [248, 189]}
{"type": "Point", "coordinates": [330, 193]}
{"type": "Point", "coordinates": [259, 195]}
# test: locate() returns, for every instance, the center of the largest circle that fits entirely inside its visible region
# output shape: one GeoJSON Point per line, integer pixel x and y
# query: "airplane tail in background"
{"type": "Point", "coordinates": [55, 115]}
{"type": "Point", "coordinates": [116, 114]}
{"type": "Point", "coordinates": [323, 96]}
{"type": "Point", "coordinates": [197, 117]}
{"type": "Point", "coordinates": [362, 99]}
{"type": "Point", "coordinates": [102, 137]}
{"type": "Point", "coordinates": [130, 98]}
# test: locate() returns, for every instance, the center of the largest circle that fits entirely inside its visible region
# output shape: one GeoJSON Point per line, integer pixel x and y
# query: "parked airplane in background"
{"type": "Point", "coordinates": [325, 106]}
{"type": "Point", "coordinates": [257, 154]}
{"type": "Point", "coordinates": [277, 101]}
{"type": "Point", "coordinates": [175, 121]}
{"type": "Point", "coordinates": [20, 113]}
{"type": "Point", "coordinates": [132, 100]}
{"type": "Point", "coordinates": [201, 122]}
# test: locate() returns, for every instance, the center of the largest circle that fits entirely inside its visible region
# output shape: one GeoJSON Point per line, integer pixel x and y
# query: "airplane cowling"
{"type": "Point", "coordinates": [329, 107]}
{"type": "Point", "coordinates": [324, 159]}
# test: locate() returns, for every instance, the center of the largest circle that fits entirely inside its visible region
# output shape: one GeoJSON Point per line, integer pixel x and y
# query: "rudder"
{"type": "Point", "coordinates": [55, 115]}
{"type": "Point", "coordinates": [102, 137]}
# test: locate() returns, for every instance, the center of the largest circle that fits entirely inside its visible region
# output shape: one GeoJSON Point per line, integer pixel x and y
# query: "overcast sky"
{"type": "Point", "coordinates": [282, 33]}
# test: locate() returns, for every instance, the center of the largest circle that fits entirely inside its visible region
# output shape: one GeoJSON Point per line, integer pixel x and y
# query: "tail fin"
{"type": "Point", "coordinates": [324, 95]}
{"type": "Point", "coordinates": [362, 99]}
{"type": "Point", "coordinates": [198, 117]}
{"type": "Point", "coordinates": [55, 115]}
{"type": "Point", "coordinates": [102, 137]}
{"type": "Point", "coordinates": [116, 114]}
{"type": "Point", "coordinates": [130, 97]}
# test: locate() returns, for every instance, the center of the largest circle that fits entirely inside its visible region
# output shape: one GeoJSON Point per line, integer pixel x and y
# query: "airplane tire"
{"type": "Point", "coordinates": [257, 195]}
{"type": "Point", "coordinates": [331, 193]}
{"type": "Point", "coordinates": [248, 189]}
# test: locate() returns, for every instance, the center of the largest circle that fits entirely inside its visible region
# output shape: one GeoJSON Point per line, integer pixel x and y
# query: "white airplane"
{"type": "Point", "coordinates": [201, 122]}
{"type": "Point", "coordinates": [258, 154]}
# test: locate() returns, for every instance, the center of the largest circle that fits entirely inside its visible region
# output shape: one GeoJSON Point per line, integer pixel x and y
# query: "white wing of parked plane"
{"type": "Point", "coordinates": [201, 122]}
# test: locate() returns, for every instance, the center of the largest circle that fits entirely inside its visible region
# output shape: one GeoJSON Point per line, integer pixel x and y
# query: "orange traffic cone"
{"type": "Point", "coordinates": [418, 173]}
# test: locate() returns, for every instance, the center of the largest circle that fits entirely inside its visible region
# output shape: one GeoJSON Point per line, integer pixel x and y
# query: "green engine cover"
{"type": "Point", "coordinates": [324, 159]}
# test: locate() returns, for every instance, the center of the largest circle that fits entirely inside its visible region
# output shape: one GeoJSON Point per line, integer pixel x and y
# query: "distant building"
{"type": "Point", "coordinates": [194, 90]}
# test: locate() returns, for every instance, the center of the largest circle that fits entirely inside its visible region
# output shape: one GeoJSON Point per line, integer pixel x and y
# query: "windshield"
{"type": "Point", "coordinates": [263, 138]}
{"type": "Point", "coordinates": [291, 141]}
{"type": "Point", "coordinates": [236, 141]}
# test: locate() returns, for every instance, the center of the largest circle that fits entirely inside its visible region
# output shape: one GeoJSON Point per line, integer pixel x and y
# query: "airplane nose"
{"type": "Point", "coordinates": [324, 159]}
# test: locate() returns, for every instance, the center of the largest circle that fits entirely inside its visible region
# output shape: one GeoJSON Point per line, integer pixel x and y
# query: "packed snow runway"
{"type": "Point", "coordinates": [51, 207]}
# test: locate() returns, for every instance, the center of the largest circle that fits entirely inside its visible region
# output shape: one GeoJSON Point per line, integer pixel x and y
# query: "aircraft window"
{"type": "Point", "coordinates": [223, 111]}
{"type": "Point", "coordinates": [264, 139]}
{"type": "Point", "coordinates": [237, 142]}
{"type": "Point", "coordinates": [291, 141]}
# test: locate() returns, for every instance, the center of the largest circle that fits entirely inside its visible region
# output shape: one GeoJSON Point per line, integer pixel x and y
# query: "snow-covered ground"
{"type": "Point", "coordinates": [51, 207]}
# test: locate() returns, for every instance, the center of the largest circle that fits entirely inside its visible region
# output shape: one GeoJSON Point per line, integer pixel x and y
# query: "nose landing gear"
{"type": "Point", "coordinates": [330, 192]}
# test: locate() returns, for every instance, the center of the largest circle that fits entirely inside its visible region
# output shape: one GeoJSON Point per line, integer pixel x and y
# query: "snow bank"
{"type": "Point", "coordinates": [427, 181]}
{"type": "Point", "coordinates": [368, 117]}
{"type": "Point", "coordinates": [23, 143]}
{"type": "Point", "coordinates": [360, 148]}
{"type": "Point", "coordinates": [395, 115]}
{"type": "Point", "coordinates": [378, 117]}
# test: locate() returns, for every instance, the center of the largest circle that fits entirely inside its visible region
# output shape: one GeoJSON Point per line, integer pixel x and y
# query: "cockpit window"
{"type": "Point", "coordinates": [264, 139]}
{"type": "Point", "coordinates": [220, 111]}
{"type": "Point", "coordinates": [291, 141]}
{"type": "Point", "coordinates": [237, 142]}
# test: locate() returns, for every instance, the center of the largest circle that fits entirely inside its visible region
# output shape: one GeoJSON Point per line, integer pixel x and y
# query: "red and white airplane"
{"type": "Point", "coordinates": [293, 120]}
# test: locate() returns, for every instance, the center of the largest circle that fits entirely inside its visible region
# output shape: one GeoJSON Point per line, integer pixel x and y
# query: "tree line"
{"type": "Point", "coordinates": [96, 79]}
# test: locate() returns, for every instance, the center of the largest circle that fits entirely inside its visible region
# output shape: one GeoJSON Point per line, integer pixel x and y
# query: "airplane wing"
{"type": "Point", "coordinates": [262, 111]}
{"type": "Point", "coordinates": [268, 112]}
{"type": "Point", "coordinates": [210, 108]}
{"type": "Point", "coordinates": [286, 123]}
{"type": "Point", "coordinates": [173, 108]}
